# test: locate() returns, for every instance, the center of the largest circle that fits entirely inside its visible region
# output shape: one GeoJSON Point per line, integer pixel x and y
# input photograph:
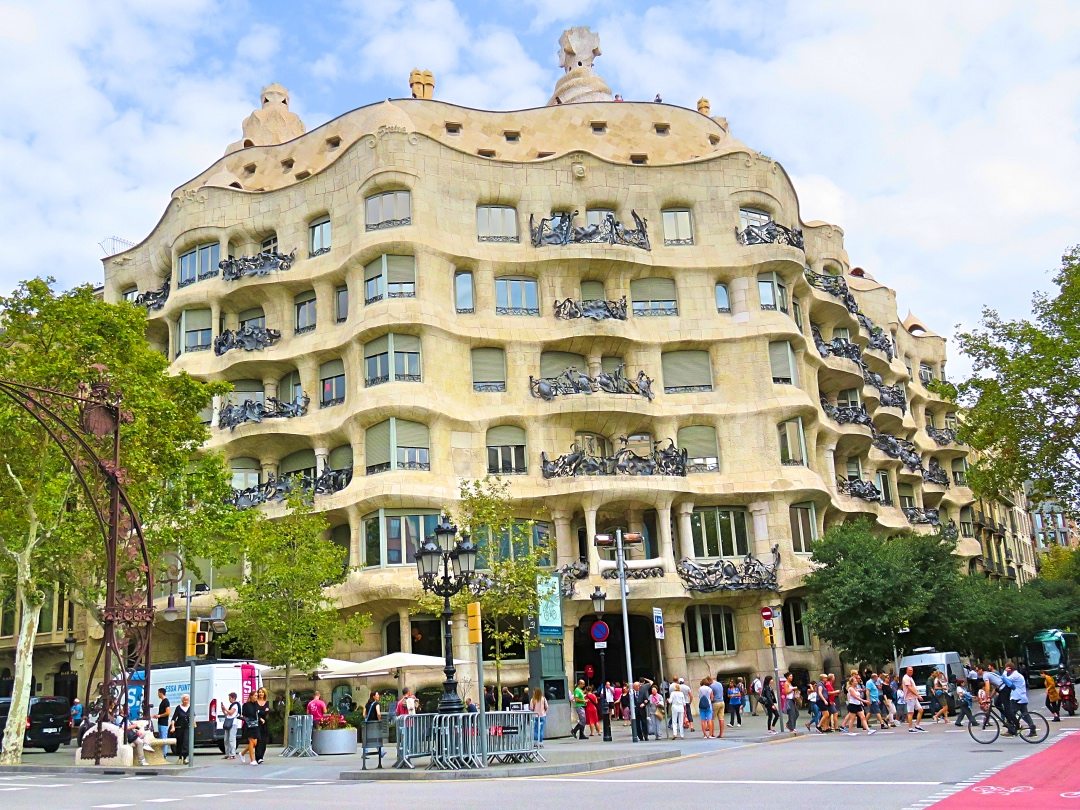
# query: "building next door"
{"type": "Point", "coordinates": [642, 649]}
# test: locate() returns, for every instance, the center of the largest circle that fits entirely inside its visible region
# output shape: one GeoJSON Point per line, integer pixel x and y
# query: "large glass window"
{"type": "Point", "coordinates": [399, 352]}
{"type": "Point", "coordinates": [782, 362]}
{"type": "Point", "coordinates": [304, 305]}
{"type": "Point", "coordinates": [341, 304]}
{"type": "Point", "coordinates": [332, 383]}
{"type": "Point", "coordinates": [907, 496]}
{"type": "Point", "coordinates": [198, 263]}
{"type": "Point", "coordinates": [792, 443]}
{"type": "Point", "coordinates": [516, 296]}
{"type": "Point", "coordinates": [391, 209]}
{"type": "Point", "coordinates": [686, 371]}
{"type": "Point", "coordinates": [884, 485]}
{"type": "Point", "coordinates": [773, 292]}
{"type": "Point", "coordinates": [597, 216]}
{"type": "Point", "coordinates": [245, 390]}
{"type": "Point", "coordinates": [506, 450]}
{"type": "Point", "coordinates": [245, 473]}
{"type": "Point", "coordinates": [523, 536]}
{"type": "Point", "coordinates": [301, 463]}
{"type": "Point", "coordinates": [803, 526]}
{"type": "Point", "coordinates": [390, 277]}
{"type": "Point", "coordinates": [196, 330]}
{"type": "Point", "coordinates": [463, 292]}
{"type": "Point", "coordinates": [723, 300]}
{"type": "Point", "coordinates": [678, 227]}
{"type": "Point", "coordinates": [699, 443]}
{"type": "Point", "coordinates": [496, 223]}
{"type": "Point", "coordinates": [709, 629]}
{"type": "Point", "coordinates": [654, 297]}
{"type": "Point", "coordinates": [489, 369]}
{"type": "Point", "coordinates": [290, 388]}
{"type": "Point", "coordinates": [719, 531]}
{"type": "Point", "coordinates": [795, 633]}
{"type": "Point", "coordinates": [390, 536]}
{"type": "Point", "coordinates": [253, 318]}
{"type": "Point", "coordinates": [319, 237]}
{"type": "Point", "coordinates": [397, 444]}
{"type": "Point", "coordinates": [753, 216]}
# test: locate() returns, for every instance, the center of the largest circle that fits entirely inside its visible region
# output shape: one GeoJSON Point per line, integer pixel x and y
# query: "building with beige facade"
{"type": "Point", "coordinates": [616, 305]}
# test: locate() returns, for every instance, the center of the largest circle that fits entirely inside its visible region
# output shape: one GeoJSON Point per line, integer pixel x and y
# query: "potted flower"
{"type": "Point", "coordinates": [333, 735]}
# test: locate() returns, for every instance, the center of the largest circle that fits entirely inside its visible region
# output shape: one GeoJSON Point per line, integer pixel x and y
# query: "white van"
{"type": "Point", "coordinates": [924, 660]}
{"type": "Point", "coordinates": [214, 680]}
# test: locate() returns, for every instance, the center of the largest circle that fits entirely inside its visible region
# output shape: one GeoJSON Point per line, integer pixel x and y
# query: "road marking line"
{"type": "Point", "coordinates": [103, 806]}
{"type": "Point", "coordinates": [667, 781]}
{"type": "Point", "coordinates": [98, 781]}
{"type": "Point", "coordinates": [24, 787]}
{"type": "Point", "coordinates": [206, 795]}
{"type": "Point", "coordinates": [250, 790]}
{"type": "Point", "coordinates": [285, 787]}
{"type": "Point", "coordinates": [162, 801]}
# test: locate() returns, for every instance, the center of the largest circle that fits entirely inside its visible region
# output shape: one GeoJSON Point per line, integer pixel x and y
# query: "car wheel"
{"type": "Point", "coordinates": [51, 749]}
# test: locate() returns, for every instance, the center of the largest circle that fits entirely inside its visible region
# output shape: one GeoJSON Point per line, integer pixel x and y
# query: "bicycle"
{"type": "Point", "coordinates": [985, 727]}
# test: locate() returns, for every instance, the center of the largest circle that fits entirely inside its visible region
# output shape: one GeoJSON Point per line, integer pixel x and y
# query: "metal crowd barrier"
{"type": "Point", "coordinates": [374, 737]}
{"type": "Point", "coordinates": [300, 727]}
{"type": "Point", "coordinates": [414, 738]}
{"type": "Point", "coordinates": [456, 742]}
{"type": "Point", "coordinates": [511, 737]}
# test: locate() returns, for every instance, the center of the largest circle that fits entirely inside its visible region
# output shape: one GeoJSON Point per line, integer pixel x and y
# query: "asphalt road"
{"type": "Point", "coordinates": [887, 770]}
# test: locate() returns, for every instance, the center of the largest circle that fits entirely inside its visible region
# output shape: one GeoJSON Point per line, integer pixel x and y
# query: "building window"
{"type": "Point", "coordinates": [253, 318]}
{"type": "Point", "coordinates": [290, 388]}
{"type": "Point", "coordinates": [463, 292]}
{"type": "Point", "coordinates": [773, 292]}
{"type": "Point", "coordinates": [553, 364]}
{"type": "Point", "coordinates": [332, 383]}
{"type": "Point", "coordinates": [795, 634]}
{"type": "Point", "coordinates": [300, 464]}
{"type": "Point", "coordinates": [245, 473]}
{"type": "Point", "coordinates": [854, 469]}
{"type": "Point", "coordinates": [488, 369]}
{"type": "Point", "coordinates": [319, 237]}
{"type": "Point", "coordinates": [246, 391]}
{"type": "Point", "coordinates": [130, 294]}
{"type": "Point", "coordinates": [782, 362]}
{"type": "Point", "coordinates": [848, 398]}
{"type": "Point", "coordinates": [654, 297]}
{"type": "Point", "coordinates": [390, 537]}
{"type": "Point", "coordinates": [686, 371]}
{"type": "Point", "coordinates": [391, 209]}
{"type": "Point", "coordinates": [926, 373]}
{"type": "Point", "coordinates": [198, 263]}
{"type": "Point", "coordinates": [950, 420]}
{"type": "Point", "coordinates": [506, 451]}
{"type": "Point", "coordinates": [710, 629]}
{"type": "Point", "coordinates": [402, 352]}
{"type": "Point", "coordinates": [796, 314]}
{"type": "Point", "coordinates": [699, 444]}
{"type": "Point", "coordinates": [269, 244]}
{"type": "Point", "coordinates": [678, 227]}
{"type": "Point", "coordinates": [390, 277]}
{"type": "Point", "coordinates": [792, 442]}
{"type": "Point", "coordinates": [841, 332]}
{"type": "Point", "coordinates": [522, 537]}
{"type": "Point", "coordinates": [719, 532]}
{"type": "Point", "coordinates": [803, 526]}
{"type": "Point", "coordinates": [592, 291]}
{"type": "Point", "coordinates": [496, 223]}
{"type": "Point", "coordinates": [884, 486]}
{"type": "Point", "coordinates": [907, 496]}
{"type": "Point", "coordinates": [753, 216]}
{"type": "Point", "coordinates": [723, 301]}
{"type": "Point", "coordinates": [341, 304]}
{"type": "Point", "coordinates": [516, 296]}
{"type": "Point", "coordinates": [397, 444]}
{"type": "Point", "coordinates": [305, 312]}
{"type": "Point", "coordinates": [959, 472]}
{"type": "Point", "coordinates": [196, 330]}
{"type": "Point", "coordinates": [598, 216]}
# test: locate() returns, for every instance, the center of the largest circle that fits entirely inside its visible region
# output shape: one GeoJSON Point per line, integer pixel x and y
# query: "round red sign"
{"type": "Point", "coordinates": [766, 613]}
{"type": "Point", "coordinates": [589, 671]}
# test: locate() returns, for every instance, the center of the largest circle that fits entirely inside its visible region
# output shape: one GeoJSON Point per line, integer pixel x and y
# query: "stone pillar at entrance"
{"type": "Point", "coordinates": [686, 532]}
{"type": "Point", "coordinates": [667, 552]}
{"type": "Point", "coordinates": [564, 542]}
{"type": "Point", "coordinates": [590, 539]}
{"type": "Point", "coordinates": [404, 630]}
{"type": "Point", "coordinates": [674, 649]}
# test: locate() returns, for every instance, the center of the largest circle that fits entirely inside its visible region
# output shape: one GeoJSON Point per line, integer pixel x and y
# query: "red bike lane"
{"type": "Point", "coordinates": [1047, 779]}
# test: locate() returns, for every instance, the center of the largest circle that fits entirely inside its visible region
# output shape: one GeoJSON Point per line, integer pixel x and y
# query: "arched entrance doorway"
{"type": "Point", "coordinates": [642, 649]}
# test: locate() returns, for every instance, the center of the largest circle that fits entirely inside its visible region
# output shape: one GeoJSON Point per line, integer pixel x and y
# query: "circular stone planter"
{"type": "Point", "coordinates": [327, 742]}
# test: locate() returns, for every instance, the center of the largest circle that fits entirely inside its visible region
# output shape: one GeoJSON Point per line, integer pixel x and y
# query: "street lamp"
{"type": "Point", "coordinates": [458, 564]}
{"type": "Point", "coordinates": [618, 541]}
{"type": "Point", "coordinates": [599, 599]}
{"type": "Point", "coordinates": [69, 647]}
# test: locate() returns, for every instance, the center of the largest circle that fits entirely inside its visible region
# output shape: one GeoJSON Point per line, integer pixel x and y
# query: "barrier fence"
{"type": "Point", "coordinates": [413, 738]}
{"type": "Point", "coordinates": [457, 741]}
{"type": "Point", "coordinates": [300, 727]}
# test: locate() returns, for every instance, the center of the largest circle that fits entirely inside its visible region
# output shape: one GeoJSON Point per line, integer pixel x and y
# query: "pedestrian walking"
{"type": "Point", "coordinates": [734, 702]}
{"type": "Point", "coordinates": [161, 717]}
{"type": "Point", "coordinates": [657, 710]}
{"type": "Point", "coordinates": [963, 703]}
{"type": "Point", "coordinates": [941, 695]}
{"type": "Point", "coordinates": [873, 701]}
{"type": "Point", "coordinates": [262, 701]}
{"type": "Point", "coordinates": [755, 695]}
{"type": "Point", "coordinates": [178, 727]}
{"type": "Point", "coordinates": [677, 703]}
{"type": "Point", "coordinates": [624, 704]}
{"type": "Point", "coordinates": [249, 712]}
{"type": "Point", "coordinates": [744, 699]}
{"type": "Point", "coordinates": [592, 711]}
{"type": "Point", "coordinates": [814, 700]}
{"type": "Point", "coordinates": [717, 687]}
{"type": "Point", "coordinates": [539, 707]}
{"type": "Point", "coordinates": [641, 709]}
{"type": "Point", "coordinates": [790, 697]}
{"type": "Point", "coordinates": [832, 692]}
{"type": "Point", "coordinates": [768, 700]}
{"type": "Point", "coordinates": [705, 707]}
{"type": "Point", "coordinates": [1053, 696]}
{"type": "Point", "coordinates": [616, 701]}
{"type": "Point", "coordinates": [230, 725]}
{"type": "Point", "coordinates": [911, 699]}
{"type": "Point", "coordinates": [578, 702]}
{"type": "Point", "coordinates": [855, 708]}
{"type": "Point", "coordinates": [689, 695]}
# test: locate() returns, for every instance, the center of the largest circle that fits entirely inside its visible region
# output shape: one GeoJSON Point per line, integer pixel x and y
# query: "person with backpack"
{"type": "Point", "coordinates": [755, 695]}
{"type": "Point", "coordinates": [963, 703]}
{"type": "Point", "coordinates": [814, 700]}
{"type": "Point", "coordinates": [705, 707]}
{"type": "Point", "coordinates": [768, 700]}
{"type": "Point", "coordinates": [230, 725]}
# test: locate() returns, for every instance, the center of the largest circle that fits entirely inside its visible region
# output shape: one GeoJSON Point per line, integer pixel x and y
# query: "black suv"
{"type": "Point", "coordinates": [48, 724]}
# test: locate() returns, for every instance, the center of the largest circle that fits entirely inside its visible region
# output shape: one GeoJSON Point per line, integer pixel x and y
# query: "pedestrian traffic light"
{"type": "Point", "coordinates": [192, 632]}
{"type": "Point", "coordinates": [770, 639]}
{"type": "Point", "coordinates": [203, 634]}
{"type": "Point", "coordinates": [473, 615]}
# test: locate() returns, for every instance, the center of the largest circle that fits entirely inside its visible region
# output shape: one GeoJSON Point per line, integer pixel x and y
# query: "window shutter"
{"type": "Point", "coordinates": [610, 364]}
{"type": "Point", "coordinates": [244, 463]}
{"type": "Point", "coordinates": [251, 314]}
{"type": "Point", "coordinates": [400, 269]}
{"type": "Point", "coordinates": [406, 343]}
{"type": "Point", "coordinates": [248, 386]}
{"type": "Point", "coordinates": [300, 460]}
{"type": "Point", "coordinates": [592, 291]}
{"type": "Point", "coordinates": [331, 368]}
{"type": "Point", "coordinates": [380, 345]}
{"type": "Point", "coordinates": [373, 269]}
{"type": "Point", "coordinates": [905, 490]}
{"type": "Point", "coordinates": [488, 365]}
{"type": "Point", "coordinates": [652, 289]}
{"type": "Point", "coordinates": [552, 364]}
{"type": "Point", "coordinates": [504, 435]}
{"type": "Point", "coordinates": [699, 441]}
{"type": "Point", "coordinates": [196, 319]}
{"type": "Point", "coordinates": [377, 448]}
{"type": "Point", "coordinates": [411, 434]}
{"type": "Point", "coordinates": [780, 360]}
{"type": "Point", "coordinates": [373, 210]}
{"type": "Point", "coordinates": [340, 458]}
{"type": "Point", "coordinates": [686, 368]}
{"type": "Point", "coordinates": [305, 296]}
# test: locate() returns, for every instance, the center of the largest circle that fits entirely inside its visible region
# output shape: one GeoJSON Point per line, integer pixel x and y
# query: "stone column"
{"type": "Point", "coordinates": [594, 363]}
{"type": "Point", "coordinates": [322, 454]}
{"type": "Point", "coordinates": [215, 319]}
{"type": "Point", "coordinates": [269, 467]}
{"type": "Point", "coordinates": [635, 523]}
{"type": "Point", "coordinates": [667, 551]}
{"type": "Point", "coordinates": [564, 541]}
{"type": "Point", "coordinates": [830, 467]}
{"type": "Point", "coordinates": [590, 540]}
{"type": "Point", "coordinates": [356, 536]}
{"type": "Point", "coordinates": [405, 630]}
{"type": "Point", "coordinates": [759, 512]}
{"type": "Point", "coordinates": [309, 379]}
{"type": "Point", "coordinates": [270, 387]}
{"type": "Point", "coordinates": [324, 304]}
{"type": "Point", "coordinates": [674, 647]}
{"type": "Point", "coordinates": [686, 532]}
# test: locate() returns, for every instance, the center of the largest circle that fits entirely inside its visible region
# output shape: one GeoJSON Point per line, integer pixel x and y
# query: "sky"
{"type": "Point", "coordinates": [943, 137]}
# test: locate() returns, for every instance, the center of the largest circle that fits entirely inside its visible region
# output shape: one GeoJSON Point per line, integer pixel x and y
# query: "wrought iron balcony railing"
{"type": "Point", "coordinates": [388, 223]}
{"type": "Point", "coordinates": [650, 572]}
{"type": "Point", "coordinates": [897, 448]}
{"type": "Point", "coordinates": [837, 347]}
{"type": "Point", "coordinates": [573, 381]}
{"type": "Point", "coordinates": [655, 309]}
{"type": "Point", "coordinates": [948, 530]}
{"type": "Point", "coordinates": [846, 414]}
{"type": "Point", "coordinates": [934, 474]}
{"type": "Point", "coordinates": [278, 488]}
{"type": "Point", "coordinates": [770, 233]}
{"type": "Point", "coordinates": [834, 286]}
{"type": "Point", "coordinates": [248, 338]}
{"type": "Point", "coordinates": [879, 339]}
{"type": "Point", "coordinates": [929, 517]}
{"type": "Point", "coordinates": [942, 436]}
{"type": "Point", "coordinates": [724, 575]}
{"type": "Point", "coordinates": [155, 299]}
{"type": "Point", "coordinates": [517, 310]}
{"type": "Point", "coordinates": [250, 410]}
{"type": "Point", "coordinates": [489, 387]}
{"type": "Point", "coordinates": [559, 229]}
{"type": "Point", "coordinates": [859, 488]}
{"type": "Point", "coordinates": [668, 460]}
{"type": "Point", "coordinates": [261, 264]}
{"type": "Point", "coordinates": [570, 309]}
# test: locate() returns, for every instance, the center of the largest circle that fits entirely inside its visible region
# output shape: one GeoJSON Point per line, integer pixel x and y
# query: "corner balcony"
{"type": "Point", "coordinates": [846, 414]}
{"type": "Point", "coordinates": [261, 264]}
{"type": "Point", "coordinates": [859, 488]}
{"type": "Point", "coordinates": [155, 299]}
{"type": "Point", "coordinates": [921, 517]}
{"type": "Point", "coordinates": [569, 309]}
{"type": "Point", "coordinates": [770, 233]}
{"type": "Point", "coordinates": [668, 460]}
{"type": "Point", "coordinates": [572, 381]}
{"type": "Point", "coordinates": [248, 338]}
{"type": "Point", "coordinates": [752, 574]}
{"type": "Point", "coordinates": [834, 286]}
{"type": "Point", "coordinates": [898, 448]}
{"type": "Point", "coordinates": [942, 437]}
{"type": "Point", "coordinates": [250, 410]}
{"type": "Point", "coordinates": [559, 229]}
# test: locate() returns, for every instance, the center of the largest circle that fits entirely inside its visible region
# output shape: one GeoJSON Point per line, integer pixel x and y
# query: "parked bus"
{"type": "Point", "coordinates": [1053, 651]}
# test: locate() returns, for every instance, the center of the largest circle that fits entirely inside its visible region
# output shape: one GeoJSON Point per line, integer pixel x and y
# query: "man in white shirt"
{"type": "Point", "coordinates": [1018, 699]}
{"type": "Point", "coordinates": [755, 695]}
{"type": "Point", "coordinates": [911, 697]}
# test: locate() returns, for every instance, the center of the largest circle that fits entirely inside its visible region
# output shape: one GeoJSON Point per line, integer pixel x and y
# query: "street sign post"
{"type": "Point", "coordinates": [658, 631]}
{"type": "Point", "coordinates": [766, 615]}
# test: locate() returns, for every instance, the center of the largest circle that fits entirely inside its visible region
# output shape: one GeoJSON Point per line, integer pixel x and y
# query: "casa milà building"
{"type": "Point", "coordinates": [616, 305]}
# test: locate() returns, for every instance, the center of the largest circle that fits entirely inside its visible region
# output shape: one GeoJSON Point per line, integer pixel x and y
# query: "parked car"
{"type": "Point", "coordinates": [924, 660]}
{"type": "Point", "coordinates": [48, 723]}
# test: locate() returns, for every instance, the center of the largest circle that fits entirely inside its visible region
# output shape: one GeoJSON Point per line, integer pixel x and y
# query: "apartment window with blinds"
{"type": "Point", "coordinates": [245, 473]}
{"type": "Point", "coordinates": [907, 496]}
{"type": "Point", "coordinates": [795, 633]}
{"type": "Point", "coordinates": [598, 216]}
{"type": "Point", "coordinates": [709, 629]}
{"type": "Point", "coordinates": [884, 486]}
{"type": "Point", "coordinates": [198, 263]}
{"type": "Point", "coordinates": [463, 292]}
{"type": "Point", "coordinates": [340, 458]}
{"type": "Point", "coordinates": [653, 297]}
{"type": "Point", "coordinates": [516, 296]}
{"type": "Point", "coordinates": [391, 209]}
{"type": "Point", "coordinates": [723, 300]}
{"type": "Point", "coordinates": [496, 223]}
{"type": "Point", "coordinates": [792, 443]}
{"type": "Point", "coordinates": [854, 470]}
{"type": "Point", "coordinates": [959, 472]}
{"type": "Point", "coordinates": [506, 451]}
{"type": "Point", "coordinates": [488, 370]}
{"type": "Point", "coordinates": [841, 332]}
{"type": "Point", "coordinates": [678, 227]}
{"type": "Point", "coordinates": [686, 371]}
{"type": "Point", "coordinates": [341, 304]}
{"type": "Point", "coordinates": [331, 383]}
{"type": "Point", "coordinates": [803, 526]}
{"type": "Point", "coordinates": [390, 277]}
{"type": "Point", "coordinates": [699, 442]}
{"type": "Point", "coordinates": [796, 314]}
{"type": "Point", "coordinates": [319, 237]}
{"type": "Point", "coordinates": [195, 327]}
{"type": "Point", "coordinates": [397, 444]}
{"type": "Point", "coordinates": [967, 521]}
{"type": "Point", "coordinates": [397, 353]}
{"type": "Point", "coordinates": [304, 305]}
{"type": "Point", "coordinates": [782, 362]}
{"type": "Point", "coordinates": [552, 364]}
{"type": "Point", "coordinates": [592, 291]}
{"type": "Point", "coordinates": [246, 391]}
{"type": "Point", "coordinates": [290, 388]}
{"type": "Point", "coordinates": [719, 532]}
{"type": "Point", "coordinates": [848, 398]}
{"type": "Point", "coordinates": [253, 318]}
{"type": "Point", "coordinates": [773, 292]}
{"type": "Point", "coordinates": [299, 464]}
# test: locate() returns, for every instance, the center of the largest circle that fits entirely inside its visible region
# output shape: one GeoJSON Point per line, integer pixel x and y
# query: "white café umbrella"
{"type": "Point", "coordinates": [334, 668]}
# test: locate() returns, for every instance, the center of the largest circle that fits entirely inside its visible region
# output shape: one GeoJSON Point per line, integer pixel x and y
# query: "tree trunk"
{"type": "Point", "coordinates": [498, 669]}
{"type": "Point", "coordinates": [288, 703]}
{"type": "Point", "coordinates": [15, 729]}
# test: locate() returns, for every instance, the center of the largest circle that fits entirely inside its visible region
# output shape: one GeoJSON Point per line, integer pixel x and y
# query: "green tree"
{"type": "Point", "coordinates": [283, 609]}
{"type": "Point", "coordinates": [1060, 564]}
{"type": "Point", "coordinates": [48, 532]}
{"type": "Point", "coordinates": [1023, 415]}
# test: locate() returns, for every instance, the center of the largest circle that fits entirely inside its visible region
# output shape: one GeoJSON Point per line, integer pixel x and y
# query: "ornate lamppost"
{"type": "Point", "coordinates": [599, 599]}
{"type": "Point", "coordinates": [457, 562]}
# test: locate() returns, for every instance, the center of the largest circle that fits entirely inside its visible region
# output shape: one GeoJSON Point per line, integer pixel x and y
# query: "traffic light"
{"type": "Point", "coordinates": [203, 634]}
{"type": "Point", "coordinates": [192, 633]}
{"type": "Point", "coordinates": [770, 639]}
{"type": "Point", "coordinates": [473, 614]}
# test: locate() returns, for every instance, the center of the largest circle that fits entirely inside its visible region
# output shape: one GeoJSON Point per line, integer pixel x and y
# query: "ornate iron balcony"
{"type": "Point", "coordinates": [402, 293]}
{"type": "Point", "coordinates": [278, 488]}
{"type": "Point", "coordinates": [208, 274]}
{"type": "Point", "coordinates": [686, 389]}
{"type": "Point", "coordinates": [859, 488]}
{"type": "Point", "coordinates": [517, 310]}
{"type": "Point", "coordinates": [770, 233]}
{"type": "Point", "coordinates": [489, 387]}
{"type": "Point", "coordinates": [329, 403]}
{"type": "Point", "coordinates": [414, 465]}
{"type": "Point", "coordinates": [934, 474]}
{"type": "Point", "coordinates": [573, 381]}
{"type": "Point", "coordinates": [370, 382]}
{"type": "Point", "coordinates": [252, 411]}
{"type": "Point", "coordinates": [915, 515]}
{"type": "Point", "coordinates": [465, 310]}
{"type": "Point", "coordinates": [155, 299]}
{"type": "Point", "coordinates": [897, 448]}
{"type": "Point", "coordinates": [652, 572]}
{"type": "Point", "coordinates": [508, 470]}
{"type": "Point", "coordinates": [388, 223]}
{"type": "Point", "coordinates": [185, 282]}
{"type": "Point", "coordinates": [834, 286]}
{"type": "Point", "coordinates": [559, 229]}
{"type": "Point", "coordinates": [331, 481]}
{"type": "Point", "coordinates": [373, 299]}
{"type": "Point", "coordinates": [941, 436]}
{"type": "Point", "coordinates": [949, 531]}
{"type": "Point", "coordinates": [684, 242]}
{"type": "Point", "coordinates": [261, 264]}
{"type": "Point", "coordinates": [703, 465]}
{"type": "Point", "coordinates": [668, 460]}
{"type": "Point", "coordinates": [489, 238]}
{"type": "Point", "coordinates": [312, 254]}
{"type": "Point", "coordinates": [837, 347]}
{"type": "Point", "coordinates": [569, 309]}
{"type": "Point", "coordinates": [375, 469]}
{"type": "Point", "coordinates": [248, 338]}
{"type": "Point", "coordinates": [569, 574]}
{"type": "Point", "coordinates": [655, 309]}
{"type": "Point", "coordinates": [301, 330]}
{"type": "Point", "coordinates": [846, 414]}
{"type": "Point", "coordinates": [879, 339]}
{"type": "Point", "coordinates": [724, 575]}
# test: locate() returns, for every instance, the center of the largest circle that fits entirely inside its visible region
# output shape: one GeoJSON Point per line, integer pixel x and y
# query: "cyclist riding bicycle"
{"type": "Point", "coordinates": [1018, 703]}
{"type": "Point", "coordinates": [999, 690]}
